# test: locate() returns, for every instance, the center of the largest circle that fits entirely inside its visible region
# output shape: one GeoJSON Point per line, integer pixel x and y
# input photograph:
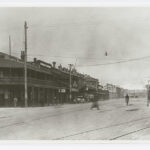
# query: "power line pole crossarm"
{"type": "Point", "coordinates": [9, 45]}
{"type": "Point", "coordinates": [70, 83]}
{"type": "Point", "coordinates": [25, 66]}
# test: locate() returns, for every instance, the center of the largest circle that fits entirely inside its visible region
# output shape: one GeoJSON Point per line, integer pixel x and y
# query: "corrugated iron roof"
{"type": "Point", "coordinates": [10, 63]}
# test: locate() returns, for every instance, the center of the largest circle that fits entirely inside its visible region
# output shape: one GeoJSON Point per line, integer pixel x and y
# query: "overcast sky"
{"type": "Point", "coordinates": [81, 36]}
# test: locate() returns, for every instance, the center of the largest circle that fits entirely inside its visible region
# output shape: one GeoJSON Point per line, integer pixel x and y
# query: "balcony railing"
{"type": "Point", "coordinates": [31, 81]}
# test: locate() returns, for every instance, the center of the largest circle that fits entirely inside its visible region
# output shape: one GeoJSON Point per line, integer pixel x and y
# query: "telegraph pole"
{"type": "Point", "coordinates": [25, 66]}
{"type": "Point", "coordinates": [70, 87]}
{"type": "Point", "coordinates": [9, 46]}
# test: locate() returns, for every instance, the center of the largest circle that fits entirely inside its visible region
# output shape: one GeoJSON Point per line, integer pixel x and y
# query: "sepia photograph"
{"type": "Point", "coordinates": [75, 73]}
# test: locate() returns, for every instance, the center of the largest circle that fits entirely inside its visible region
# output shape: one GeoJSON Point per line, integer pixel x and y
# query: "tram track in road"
{"type": "Point", "coordinates": [12, 124]}
{"type": "Point", "coordinates": [67, 112]}
{"type": "Point", "coordinates": [54, 115]}
{"type": "Point", "coordinates": [75, 110]}
{"type": "Point", "coordinates": [64, 113]}
{"type": "Point", "coordinates": [129, 133]}
{"type": "Point", "coordinates": [47, 116]}
{"type": "Point", "coordinates": [105, 127]}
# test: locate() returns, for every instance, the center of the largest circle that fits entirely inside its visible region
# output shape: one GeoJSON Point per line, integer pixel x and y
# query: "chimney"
{"type": "Point", "coordinates": [54, 64]}
{"type": "Point", "coordinates": [22, 55]}
{"type": "Point", "coordinates": [60, 66]}
{"type": "Point", "coordinates": [34, 60]}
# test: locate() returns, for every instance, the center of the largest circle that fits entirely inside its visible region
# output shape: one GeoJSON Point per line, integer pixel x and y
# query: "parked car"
{"type": "Point", "coordinates": [79, 99]}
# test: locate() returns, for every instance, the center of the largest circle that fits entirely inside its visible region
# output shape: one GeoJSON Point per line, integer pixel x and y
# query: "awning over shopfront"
{"type": "Point", "coordinates": [74, 90]}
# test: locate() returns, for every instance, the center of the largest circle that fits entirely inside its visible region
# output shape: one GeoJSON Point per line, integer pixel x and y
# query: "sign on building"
{"type": "Point", "coordinates": [62, 90]}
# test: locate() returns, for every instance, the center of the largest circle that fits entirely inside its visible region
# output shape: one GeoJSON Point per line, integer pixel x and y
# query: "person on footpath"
{"type": "Point", "coordinates": [148, 97]}
{"type": "Point", "coordinates": [95, 103]}
{"type": "Point", "coordinates": [127, 99]}
{"type": "Point", "coordinates": [15, 101]}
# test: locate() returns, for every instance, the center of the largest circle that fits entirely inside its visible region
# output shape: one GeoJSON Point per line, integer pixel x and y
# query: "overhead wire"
{"type": "Point", "coordinates": [87, 65]}
{"type": "Point", "coordinates": [99, 64]}
{"type": "Point", "coordinates": [117, 62]}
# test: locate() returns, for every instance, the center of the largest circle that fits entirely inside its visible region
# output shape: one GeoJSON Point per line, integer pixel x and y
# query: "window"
{"type": "Point", "coordinates": [1, 74]}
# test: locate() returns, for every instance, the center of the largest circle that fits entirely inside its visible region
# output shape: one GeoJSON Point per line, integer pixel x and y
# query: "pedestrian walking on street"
{"type": "Point", "coordinates": [148, 97]}
{"type": "Point", "coordinates": [95, 103]}
{"type": "Point", "coordinates": [127, 99]}
{"type": "Point", "coordinates": [15, 101]}
{"type": "Point", "coordinates": [55, 100]}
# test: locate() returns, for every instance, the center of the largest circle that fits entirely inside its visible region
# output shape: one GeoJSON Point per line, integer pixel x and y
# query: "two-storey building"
{"type": "Point", "coordinates": [46, 83]}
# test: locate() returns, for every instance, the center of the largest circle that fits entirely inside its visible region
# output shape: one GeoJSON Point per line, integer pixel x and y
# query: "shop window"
{"type": "Point", "coordinates": [1, 74]}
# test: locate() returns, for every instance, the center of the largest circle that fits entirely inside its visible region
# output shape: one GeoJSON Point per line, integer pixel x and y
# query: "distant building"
{"type": "Point", "coordinates": [87, 85]}
{"type": "Point", "coordinates": [103, 93]}
{"type": "Point", "coordinates": [46, 83]}
{"type": "Point", "coordinates": [114, 91]}
{"type": "Point", "coordinates": [137, 93]}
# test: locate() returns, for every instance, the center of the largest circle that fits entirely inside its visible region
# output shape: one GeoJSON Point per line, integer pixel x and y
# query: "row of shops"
{"type": "Point", "coordinates": [47, 84]}
{"type": "Point", "coordinates": [115, 91]}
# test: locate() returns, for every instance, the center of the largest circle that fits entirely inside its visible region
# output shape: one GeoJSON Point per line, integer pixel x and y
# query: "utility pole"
{"type": "Point", "coordinates": [70, 83]}
{"type": "Point", "coordinates": [25, 66]}
{"type": "Point", "coordinates": [9, 46]}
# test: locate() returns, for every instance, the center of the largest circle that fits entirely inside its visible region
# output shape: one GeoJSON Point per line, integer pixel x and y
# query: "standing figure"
{"type": "Point", "coordinates": [55, 100]}
{"type": "Point", "coordinates": [148, 96]}
{"type": "Point", "coordinates": [127, 99]}
{"type": "Point", "coordinates": [95, 103]}
{"type": "Point", "coordinates": [15, 101]}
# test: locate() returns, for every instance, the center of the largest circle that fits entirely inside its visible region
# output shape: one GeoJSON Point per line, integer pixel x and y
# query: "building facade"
{"type": "Point", "coordinates": [46, 83]}
{"type": "Point", "coordinates": [114, 91]}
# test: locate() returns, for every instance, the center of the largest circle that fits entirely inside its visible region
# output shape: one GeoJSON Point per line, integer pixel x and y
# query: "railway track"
{"type": "Point", "coordinates": [129, 133]}
{"type": "Point", "coordinates": [105, 127]}
{"type": "Point", "coordinates": [67, 112]}
{"type": "Point", "coordinates": [47, 116]}
{"type": "Point", "coordinates": [87, 131]}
